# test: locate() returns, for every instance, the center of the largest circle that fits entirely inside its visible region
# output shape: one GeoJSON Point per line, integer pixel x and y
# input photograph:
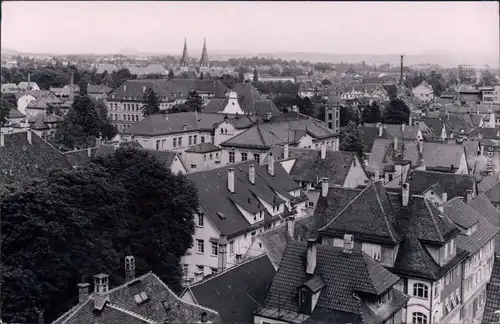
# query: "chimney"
{"type": "Point", "coordinates": [444, 197]}
{"type": "Point", "coordinates": [101, 289]}
{"type": "Point", "coordinates": [395, 143]}
{"type": "Point", "coordinates": [71, 91]}
{"type": "Point", "coordinates": [348, 243]}
{"type": "Point", "coordinates": [403, 127]}
{"type": "Point", "coordinates": [421, 147]}
{"type": "Point", "coordinates": [124, 88]}
{"type": "Point", "coordinates": [2, 138]}
{"type": "Point", "coordinates": [83, 291]}
{"type": "Point", "coordinates": [469, 196]}
{"type": "Point", "coordinates": [380, 129]}
{"type": "Point", "coordinates": [251, 173]}
{"type": "Point", "coordinates": [89, 152]}
{"type": "Point", "coordinates": [28, 133]}
{"type": "Point", "coordinates": [290, 226]}
{"type": "Point", "coordinates": [482, 148]}
{"type": "Point", "coordinates": [311, 256]}
{"type": "Point", "coordinates": [323, 150]}
{"type": "Point", "coordinates": [230, 179]}
{"type": "Point", "coordinates": [286, 152]}
{"type": "Point", "coordinates": [129, 268]}
{"type": "Point", "coordinates": [406, 194]}
{"type": "Point", "coordinates": [401, 72]}
{"type": "Point", "coordinates": [222, 253]}
{"type": "Point", "coordinates": [143, 89]}
{"type": "Point", "coordinates": [377, 175]}
{"type": "Point", "coordinates": [410, 121]}
{"type": "Point", "coordinates": [324, 187]}
{"type": "Point", "coordinates": [270, 164]}
{"type": "Point", "coordinates": [29, 80]}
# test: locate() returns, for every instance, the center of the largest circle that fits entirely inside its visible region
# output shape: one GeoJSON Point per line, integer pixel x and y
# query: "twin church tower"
{"type": "Point", "coordinates": [204, 64]}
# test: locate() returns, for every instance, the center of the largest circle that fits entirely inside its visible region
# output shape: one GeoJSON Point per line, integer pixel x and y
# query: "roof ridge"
{"type": "Point", "coordinates": [72, 311]}
{"type": "Point", "coordinates": [384, 213]}
{"type": "Point", "coordinates": [349, 204]}
{"type": "Point", "coordinates": [126, 311]}
{"type": "Point", "coordinates": [426, 260]}
{"type": "Point", "coordinates": [127, 282]}
{"type": "Point", "coordinates": [232, 268]}
{"type": "Point", "coordinates": [433, 218]}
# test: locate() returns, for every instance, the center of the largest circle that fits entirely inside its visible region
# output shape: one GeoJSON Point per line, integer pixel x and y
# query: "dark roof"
{"type": "Point", "coordinates": [122, 308]}
{"type": "Point", "coordinates": [368, 136]}
{"type": "Point", "coordinates": [485, 208]}
{"type": "Point", "coordinates": [492, 304]}
{"type": "Point", "coordinates": [436, 124]}
{"type": "Point", "coordinates": [98, 89]}
{"type": "Point", "coordinates": [155, 125]}
{"type": "Point", "coordinates": [487, 182]}
{"type": "Point", "coordinates": [343, 275]}
{"type": "Point", "coordinates": [369, 216]}
{"type": "Point", "coordinates": [455, 185]}
{"type": "Point", "coordinates": [237, 292]}
{"type": "Point", "coordinates": [493, 193]}
{"type": "Point", "coordinates": [219, 203]}
{"type": "Point", "coordinates": [14, 113]}
{"type": "Point", "coordinates": [203, 148]}
{"type": "Point", "coordinates": [164, 157]}
{"type": "Point", "coordinates": [22, 160]}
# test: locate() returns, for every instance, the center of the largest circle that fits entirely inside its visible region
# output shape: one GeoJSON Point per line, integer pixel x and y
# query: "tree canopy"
{"type": "Point", "coordinates": [371, 113]}
{"type": "Point", "coordinates": [346, 115]}
{"type": "Point", "coordinates": [194, 102]}
{"type": "Point", "coordinates": [255, 75]}
{"type": "Point", "coordinates": [397, 112]}
{"type": "Point", "coordinates": [151, 103]}
{"type": "Point", "coordinates": [241, 75]}
{"type": "Point", "coordinates": [350, 139]}
{"type": "Point", "coordinates": [77, 223]}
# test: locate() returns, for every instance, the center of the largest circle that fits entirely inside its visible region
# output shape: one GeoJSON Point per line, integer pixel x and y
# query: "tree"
{"type": "Point", "coordinates": [371, 114]}
{"type": "Point", "coordinates": [201, 76]}
{"type": "Point", "coordinates": [350, 139]}
{"type": "Point", "coordinates": [241, 75]}
{"type": "Point", "coordinates": [194, 102]}
{"type": "Point", "coordinates": [80, 127]}
{"type": "Point", "coordinates": [108, 130]}
{"type": "Point", "coordinates": [255, 75]}
{"type": "Point", "coordinates": [346, 115]}
{"type": "Point", "coordinates": [4, 111]}
{"type": "Point", "coordinates": [171, 74]}
{"type": "Point", "coordinates": [397, 112]}
{"type": "Point", "coordinates": [178, 108]}
{"type": "Point", "coordinates": [83, 84]}
{"type": "Point", "coordinates": [306, 107]}
{"type": "Point", "coordinates": [437, 82]}
{"type": "Point", "coordinates": [120, 76]}
{"type": "Point", "coordinates": [326, 82]}
{"type": "Point", "coordinates": [79, 222]}
{"type": "Point", "coordinates": [151, 103]}
{"type": "Point", "coordinates": [487, 79]}
{"type": "Point", "coordinates": [285, 100]}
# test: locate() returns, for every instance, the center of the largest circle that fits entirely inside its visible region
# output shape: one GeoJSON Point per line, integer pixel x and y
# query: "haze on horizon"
{"type": "Point", "coordinates": [325, 27]}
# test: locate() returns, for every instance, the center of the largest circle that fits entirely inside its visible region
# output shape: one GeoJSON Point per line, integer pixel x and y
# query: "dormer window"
{"type": "Point", "coordinates": [137, 291]}
{"type": "Point", "coordinates": [385, 297]}
{"type": "Point", "coordinates": [305, 301]}
{"type": "Point", "coordinates": [471, 230]}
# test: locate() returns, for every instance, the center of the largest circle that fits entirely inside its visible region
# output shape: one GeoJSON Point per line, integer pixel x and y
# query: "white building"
{"type": "Point", "coordinates": [424, 92]}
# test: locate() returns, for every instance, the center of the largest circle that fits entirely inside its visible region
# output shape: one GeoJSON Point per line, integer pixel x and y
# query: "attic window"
{"type": "Point", "coordinates": [221, 215]}
{"type": "Point", "coordinates": [137, 291]}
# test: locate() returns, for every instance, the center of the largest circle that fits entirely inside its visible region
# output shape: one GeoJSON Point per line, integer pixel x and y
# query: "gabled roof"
{"type": "Point", "coordinates": [98, 89]}
{"type": "Point", "coordinates": [155, 125]}
{"type": "Point", "coordinates": [368, 136]}
{"type": "Point", "coordinates": [369, 216]}
{"type": "Point", "coordinates": [269, 134]}
{"type": "Point", "coordinates": [455, 185]}
{"type": "Point", "coordinates": [237, 292]}
{"type": "Point", "coordinates": [203, 148]}
{"type": "Point", "coordinates": [493, 193]}
{"type": "Point", "coordinates": [22, 160]}
{"type": "Point", "coordinates": [343, 274]}
{"type": "Point", "coordinates": [485, 208]}
{"type": "Point", "coordinates": [122, 308]}
{"type": "Point", "coordinates": [492, 304]}
{"type": "Point", "coordinates": [219, 204]}
{"type": "Point", "coordinates": [488, 182]}
{"type": "Point", "coordinates": [14, 113]}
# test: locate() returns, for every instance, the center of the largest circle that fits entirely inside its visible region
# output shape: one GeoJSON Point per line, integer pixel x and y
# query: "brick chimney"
{"type": "Point", "coordinates": [101, 289]}
{"type": "Point", "coordinates": [469, 196]}
{"type": "Point", "coordinates": [406, 194]}
{"type": "Point", "coordinates": [395, 143]}
{"type": "Point", "coordinates": [325, 182]}
{"type": "Point", "coordinates": [129, 268]}
{"type": "Point", "coordinates": [348, 243]}
{"type": "Point", "coordinates": [230, 180]}
{"type": "Point", "coordinates": [251, 173]}
{"type": "Point", "coordinates": [311, 256]}
{"type": "Point", "coordinates": [323, 150]}
{"type": "Point", "coordinates": [270, 165]}
{"type": "Point", "coordinates": [290, 226]}
{"type": "Point", "coordinates": [83, 291]}
{"type": "Point", "coordinates": [421, 147]}
{"type": "Point", "coordinates": [30, 136]}
{"type": "Point", "coordinates": [444, 197]}
{"type": "Point", "coordinates": [222, 253]}
{"type": "Point", "coordinates": [286, 152]}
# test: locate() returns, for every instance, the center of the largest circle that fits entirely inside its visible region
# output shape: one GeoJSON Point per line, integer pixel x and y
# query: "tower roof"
{"type": "Point", "coordinates": [185, 58]}
{"type": "Point", "coordinates": [204, 54]}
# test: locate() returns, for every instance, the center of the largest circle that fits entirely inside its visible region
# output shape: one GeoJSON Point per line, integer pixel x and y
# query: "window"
{"type": "Point", "coordinates": [420, 290]}
{"type": "Point", "coordinates": [330, 116]}
{"type": "Point", "coordinates": [215, 248]}
{"type": "Point", "coordinates": [164, 144]}
{"type": "Point", "coordinates": [231, 247]}
{"type": "Point", "coordinates": [193, 166]}
{"type": "Point", "coordinates": [231, 157]}
{"type": "Point", "coordinates": [189, 140]}
{"type": "Point", "coordinates": [175, 142]}
{"type": "Point", "coordinates": [201, 269]}
{"type": "Point", "coordinates": [436, 289]}
{"type": "Point", "coordinates": [211, 156]}
{"type": "Point", "coordinates": [256, 157]}
{"type": "Point", "coordinates": [179, 139]}
{"type": "Point", "coordinates": [201, 246]}
{"type": "Point", "coordinates": [310, 204]}
{"type": "Point", "coordinates": [200, 220]}
{"type": "Point", "coordinates": [214, 271]}
{"type": "Point", "coordinates": [384, 298]}
{"type": "Point", "coordinates": [185, 269]}
{"type": "Point", "coordinates": [158, 144]}
{"type": "Point", "coordinates": [390, 176]}
{"type": "Point", "coordinates": [244, 157]}
{"type": "Point", "coordinates": [419, 318]}
{"type": "Point", "coordinates": [204, 157]}
{"type": "Point", "coordinates": [195, 139]}
{"type": "Point", "coordinates": [202, 139]}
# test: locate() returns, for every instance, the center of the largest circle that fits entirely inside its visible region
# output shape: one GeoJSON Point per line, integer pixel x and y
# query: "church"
{"type": "Point", "coordinates": [203, 66]}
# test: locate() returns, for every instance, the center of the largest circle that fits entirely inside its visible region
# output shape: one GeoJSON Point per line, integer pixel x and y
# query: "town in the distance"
{"type": "Point", "coordinates": [180, 189]}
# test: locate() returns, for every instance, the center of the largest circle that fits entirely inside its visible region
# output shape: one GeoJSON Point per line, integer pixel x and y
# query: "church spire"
{"type": "Point", "coordinates": [185, 58]}
{"type": "Point", "coordinates": [204, 54]}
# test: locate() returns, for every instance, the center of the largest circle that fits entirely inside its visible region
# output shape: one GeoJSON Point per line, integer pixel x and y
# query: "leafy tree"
{"type": "Point", "coordinates": [346, 115]}
{"type": "Point", "coordinates": [371, 113]}
{"type": "Point", "coordinates": [228, 80]}
{"type": "Point", "coordinates": [81, 125]}
{"type": "Point", "coordinates": [397, 112]}
{"type": "Point", "coordinates": [201, 76]}
{"type": "Point", "coordinates": [437, 82]}
{"type": "Point", "coordinates": [171, 74]}
{"type": "Point", "coordinates": [326, 82]}
{"type": "Point", "coordinates": [350, 139]}
{"type": "Point", "coordinates": [285, 100]}
{"type": "Point", "coordinates": [120, 76]}
{"type": "Point", "coordinates": [108, 130]}
{"type": "Point", "coordinates": [151, 103]}
{"type": "Point", "coordinates": [17, 77]}
{"type": "Point", "coordinates": [83, 84]}
{"type": "Point", "coordinates": [306, 107]}
{"type": "Point", "coordinates": [255, 75]}
{"type": "Point", "coordinates": [178, 108]}
{"type": "Point", "coordinates": [194, 102]}
{"type": "Point", "coordinates": [241, 75]}
{"type": "Point", "coordinates": [487, 79]}
{"type": "Point", "coordinates": [4, 110]}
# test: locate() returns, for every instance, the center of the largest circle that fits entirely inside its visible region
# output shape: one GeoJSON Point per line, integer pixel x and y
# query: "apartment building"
{"type": "Point", "coordinates": [491, 95]}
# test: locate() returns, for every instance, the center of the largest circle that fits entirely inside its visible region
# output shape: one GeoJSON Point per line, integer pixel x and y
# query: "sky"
{"type": "Point", "coordinates": [250, 27]}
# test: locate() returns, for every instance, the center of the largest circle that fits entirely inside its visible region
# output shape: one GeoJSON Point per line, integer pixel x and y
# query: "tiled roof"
{"type": "Point", "coordinates": [155, 125]}
{"type": "Point", "coordinates": [436, 124]}
{"type": "Point", "coordinates": [268, 134]}
{"type": "Point", "coordinates": [309, 166]}
{"type": "Point", "coordinates": [203, 148]}
{"type": "Point", "coordinates": [162, 305]}
{"type": "Point", "coordinates": [344, 275]}
{"type": "Point", "coordinates": [455, 185]}
{"type": "Point", "coordinates": [493, 193]}
{"type": "Point", "coordinates": [461, 213]}
{"type": "Point", "coordinates": [485, 208]}
{"type": "Point", "coordinates": [369, 216]}
{"type": "Point", "coordinates": [237, 292]}
{"type": "Point", "coordinates": [22, 160]}
{"type": "Point", "coordinates": [98, 89]}
{"type": "Point", "coordinates": [14, 113]}
{"type": "Point", "coordinates": [368, 136]}
{"type": "Point", "coordinates": [487, 182]}
{"type": "Point", "coordinates": [492, 304]}
{"type": "Point", "coordinates": [219, 204]}
{"type": "Point", "coordinates": [471, 149]}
